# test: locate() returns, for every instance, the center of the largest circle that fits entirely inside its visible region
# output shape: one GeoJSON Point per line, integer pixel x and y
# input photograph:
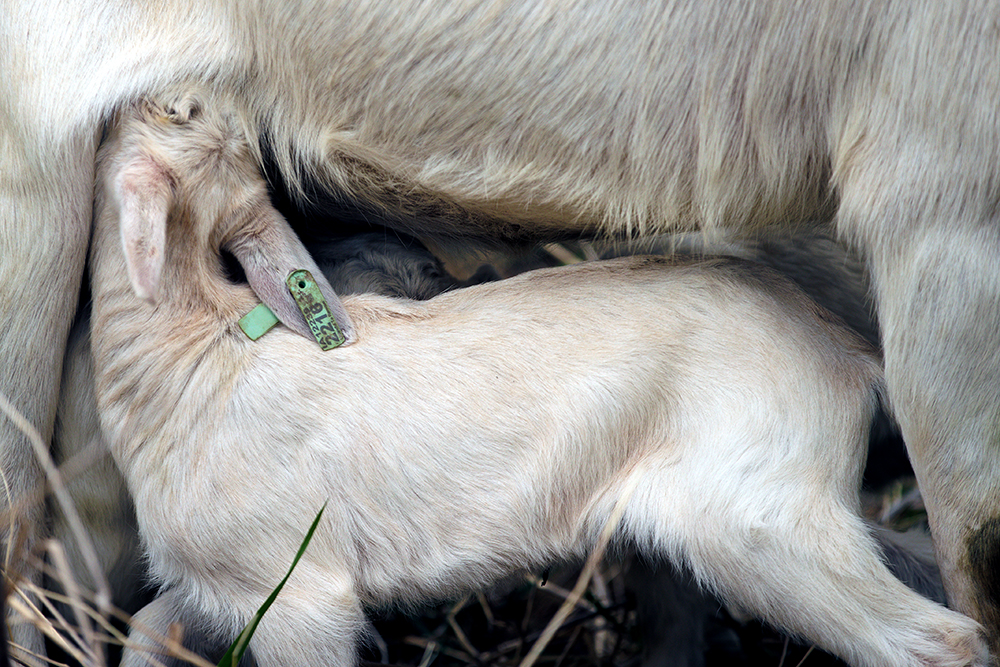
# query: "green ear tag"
{"type": "Point", "coordinates": [258, 321]}
{"type": "Point", "coordinates": [306, 293]}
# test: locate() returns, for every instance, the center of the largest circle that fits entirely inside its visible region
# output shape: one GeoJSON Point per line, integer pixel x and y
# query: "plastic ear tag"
{"type": "Point", "coordinates": [314, 308]}
{"type": "Point", "coordinates": [258, 321]}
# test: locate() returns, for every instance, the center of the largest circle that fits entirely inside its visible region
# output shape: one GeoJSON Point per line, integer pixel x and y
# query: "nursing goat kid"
{"type": "Point", "coordinates": [387, 263]}
{"type": "Point", "coordinates": [486, 431]}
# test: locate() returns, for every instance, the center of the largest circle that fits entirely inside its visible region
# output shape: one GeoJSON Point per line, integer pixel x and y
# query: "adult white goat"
{"type": "Point", "coordinates": [484, 431]}
{"type": "Point", "coordinates": [515, 118]}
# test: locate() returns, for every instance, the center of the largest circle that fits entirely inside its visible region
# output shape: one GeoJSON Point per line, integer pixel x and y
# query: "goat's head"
{"type": "Point", "coordinates": [192, 160]}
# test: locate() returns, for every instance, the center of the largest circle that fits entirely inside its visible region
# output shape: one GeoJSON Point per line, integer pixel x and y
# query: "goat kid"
{"type": "Point", "coordinates": [672, 616]}
{"type": "Point", "coordinates": [384, 263]}
{"type": "Point", "coordinates": [482, 432]}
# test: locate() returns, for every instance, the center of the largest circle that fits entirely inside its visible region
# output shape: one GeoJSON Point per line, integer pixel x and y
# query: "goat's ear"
{"type": "Point", "coordinates": [269, 252]}
{"type": "Point", "coordinates": [144, 193]}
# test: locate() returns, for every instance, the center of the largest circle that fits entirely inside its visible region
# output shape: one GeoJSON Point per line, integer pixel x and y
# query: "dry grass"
{"type": "Point", "coordinates": [76, 622]}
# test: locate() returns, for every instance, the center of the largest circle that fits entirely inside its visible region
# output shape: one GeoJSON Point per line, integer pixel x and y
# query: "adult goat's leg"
{"type": "Point", "coordinates": [45, 212]}
{"type": "Point", "coordinates": [939, 301]}
{"type": "Point", "coordinates": [928, 220]}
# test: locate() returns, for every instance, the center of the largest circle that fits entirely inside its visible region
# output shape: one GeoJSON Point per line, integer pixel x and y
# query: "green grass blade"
{"type": "Point", "coordinates": [239, 646]}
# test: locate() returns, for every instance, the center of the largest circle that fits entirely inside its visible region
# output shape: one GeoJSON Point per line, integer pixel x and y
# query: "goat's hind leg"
{"type": "Point", "coordinates": [674, 612]}
{"type": "Point", "coordinates": [819, 575]}
{"type": "Point", "coordinates": [802, 560]}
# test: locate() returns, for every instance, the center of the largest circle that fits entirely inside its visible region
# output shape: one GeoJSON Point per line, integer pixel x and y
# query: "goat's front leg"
{"type": "Point", "coordinates": [45, 212]}
{"type": "Point", "coordinates": [927, 218]}
{"type": "Point", "coordinates": [939, 298]}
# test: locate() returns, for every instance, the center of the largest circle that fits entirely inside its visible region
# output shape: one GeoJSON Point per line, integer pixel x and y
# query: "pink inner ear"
{"type": "Point", "coordinates": [144, 194]}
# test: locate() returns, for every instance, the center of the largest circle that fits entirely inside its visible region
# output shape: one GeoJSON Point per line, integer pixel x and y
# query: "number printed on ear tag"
{"type": "Point", "coordinates": [314, 308]}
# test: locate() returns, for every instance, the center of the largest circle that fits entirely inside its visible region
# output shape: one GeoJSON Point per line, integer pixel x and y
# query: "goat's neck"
{"type": "Point", "coordinates": [145, 353]}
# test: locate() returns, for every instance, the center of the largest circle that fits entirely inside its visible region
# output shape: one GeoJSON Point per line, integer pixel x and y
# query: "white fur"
{"type": "Point", "coordinates": [482, 432]}
{"type": "Point", "coordinates": [514, 118]}
{"type": "Point", "coordinates": [369, 262]}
